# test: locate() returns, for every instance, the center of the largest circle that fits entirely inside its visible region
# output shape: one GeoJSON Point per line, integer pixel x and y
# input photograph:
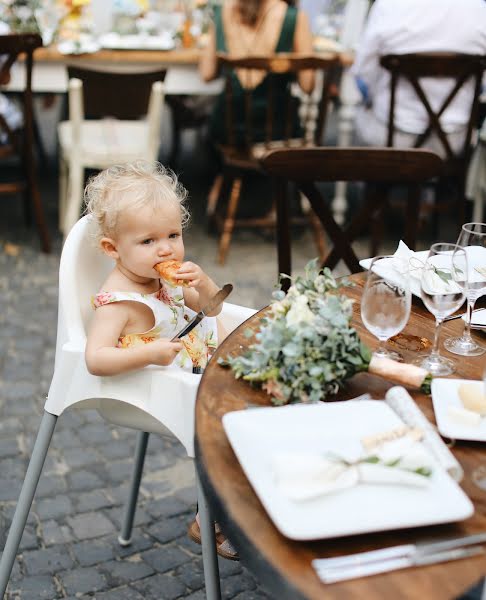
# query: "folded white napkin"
{"type": "Point", "coordinates": [303, 476]}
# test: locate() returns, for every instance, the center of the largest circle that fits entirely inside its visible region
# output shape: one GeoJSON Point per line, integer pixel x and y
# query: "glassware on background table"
{"type": "Point", "coordinates": [386, 302]}
{"type": "Point", "coordinates": [48, 16]}
{"type": "Point", "coordinates": [473, 239]}
{"type": "Point", "coordinates": [442, 288]}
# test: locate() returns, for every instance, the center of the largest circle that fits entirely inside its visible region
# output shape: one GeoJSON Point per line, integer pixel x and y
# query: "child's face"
{"type": "Point", "coordinates": [148, 236]}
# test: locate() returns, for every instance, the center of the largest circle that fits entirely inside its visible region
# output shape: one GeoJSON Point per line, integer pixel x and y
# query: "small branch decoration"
{"type": "Point", "coordinates": [306, 347]}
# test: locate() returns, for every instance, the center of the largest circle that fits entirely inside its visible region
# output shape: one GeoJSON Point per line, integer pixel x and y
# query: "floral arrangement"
{"type": "Point", "coordinates": [306, 347]}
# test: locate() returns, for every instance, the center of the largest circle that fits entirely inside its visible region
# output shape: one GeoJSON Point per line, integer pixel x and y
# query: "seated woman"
{"type": "Point", "coordinates": [245, 28]}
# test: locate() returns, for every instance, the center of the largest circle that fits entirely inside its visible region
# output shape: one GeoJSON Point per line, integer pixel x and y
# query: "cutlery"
{"type": "Point", "coordinates": [221, 295]}
{"type": "Point", "coordinates": [452, 317]}
{"type": "Point", "coordinates": [332, 575]}
{"type": "Point", "coordinates": [401, 551]}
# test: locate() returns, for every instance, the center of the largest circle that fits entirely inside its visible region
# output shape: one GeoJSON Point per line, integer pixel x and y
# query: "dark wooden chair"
{"type": "Point", "coordinates": [241, 156]}
{"type": "Point", "coordinates": [20, 144]}
{"type": "Point", "coordinates": [379, 167]}
{"type": "Point", "coordinates": [462, 69]}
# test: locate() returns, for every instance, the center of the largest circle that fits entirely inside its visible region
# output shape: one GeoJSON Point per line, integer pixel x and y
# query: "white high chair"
{"type": "Point", "coordinates": [154, 399]}
{"type": "Point", "coordinates": [102, 142]}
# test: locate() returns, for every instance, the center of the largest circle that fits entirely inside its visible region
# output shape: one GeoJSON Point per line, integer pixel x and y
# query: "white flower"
{"type": "Point", "coordinates": [299, 312]}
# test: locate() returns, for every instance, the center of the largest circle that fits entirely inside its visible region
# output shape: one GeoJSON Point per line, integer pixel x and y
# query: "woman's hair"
{"type": "Point", "coordinates": [249, 11]}
{"type": "Point", "coordinates": [131, 186]}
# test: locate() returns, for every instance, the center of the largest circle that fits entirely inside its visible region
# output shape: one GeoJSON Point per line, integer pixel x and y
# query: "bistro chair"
{"type": "Point", "coordinates": [20, 144]}
{"type": "Point", "coordinates": [380, 167]}
{"type": "Point", "coordinates": [241, 157]}
{"type": "Point", "coordinates": [463, 70]}
{"type": "Point", "coordinates": [159, 400]}
{"type": "Point", "coordinates": [113, 118]}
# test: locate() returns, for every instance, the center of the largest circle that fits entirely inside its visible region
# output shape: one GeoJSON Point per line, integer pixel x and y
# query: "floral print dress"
{"type": "Point", "coordinates": [170, 315]}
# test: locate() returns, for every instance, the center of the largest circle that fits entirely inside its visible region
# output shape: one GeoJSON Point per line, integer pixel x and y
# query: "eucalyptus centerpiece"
{"type": "Point", "coordinates": [306, 347]}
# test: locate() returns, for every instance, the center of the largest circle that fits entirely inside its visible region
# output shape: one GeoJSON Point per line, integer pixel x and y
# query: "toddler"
{"type": "Point", "coordinates": [139, 213]}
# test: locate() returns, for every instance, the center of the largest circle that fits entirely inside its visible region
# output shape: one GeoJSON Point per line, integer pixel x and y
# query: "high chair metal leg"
{"type": "Point", "coordinates": [125, 537]}
{"type": "Point", "coordinates": [26, 497]}
{"type": "Point", "coordinates": [208, 542]}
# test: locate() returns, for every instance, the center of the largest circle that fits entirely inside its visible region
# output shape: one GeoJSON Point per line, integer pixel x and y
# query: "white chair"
{"type": "Point", "coordinates": [154, 399]}
{"type": "Point", "coordinates": [119, 132]}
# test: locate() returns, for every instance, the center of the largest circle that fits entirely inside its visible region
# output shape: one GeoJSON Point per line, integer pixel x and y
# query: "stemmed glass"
{"type": "Point", "coordinates": [386, 301]}
{"type": "Point", "coordinates": [473, 239]}
{"type": "Point", "coordinates": [442, 288]}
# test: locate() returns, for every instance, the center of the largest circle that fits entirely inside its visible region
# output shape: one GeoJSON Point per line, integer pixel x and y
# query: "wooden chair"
{"type": "Point", "coordinates": [464, 69]}
{"type": "Point", "coordinates": [20, 143]}
{"type": "Point", "coordinates": [378, 166]}
{"type": "Point", "coordinates": [106, 127]}
{"type": "Point", "coordinates": [239, 157]}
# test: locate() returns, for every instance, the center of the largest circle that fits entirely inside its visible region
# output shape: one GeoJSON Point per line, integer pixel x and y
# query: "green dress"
{"type": "Point", "coordinates": [259, 95]}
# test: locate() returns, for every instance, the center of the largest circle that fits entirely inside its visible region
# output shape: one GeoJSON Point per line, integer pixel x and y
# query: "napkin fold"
{"type": "Point", "coordinates": [303, 476]}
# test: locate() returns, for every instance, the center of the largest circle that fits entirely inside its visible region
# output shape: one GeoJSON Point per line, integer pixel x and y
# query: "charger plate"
{"type": "Point", "coordinates": [257, 434]}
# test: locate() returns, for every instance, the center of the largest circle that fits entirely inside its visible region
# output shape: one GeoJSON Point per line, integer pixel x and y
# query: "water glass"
{"type": "Point", "coordinates": [442, 288]}
{"type": "Point", "coordinates": [473, 239]}
{"type": "Point", "coordinates": [386, 301]}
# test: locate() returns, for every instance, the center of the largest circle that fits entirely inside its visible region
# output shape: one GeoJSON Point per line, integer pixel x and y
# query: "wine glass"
{"type": "Point", "coordinates": [386, 301]}
{"type": "Point", "coordinates": [473, 239]}
{"type": "Point", "coordinates": [442, 288]}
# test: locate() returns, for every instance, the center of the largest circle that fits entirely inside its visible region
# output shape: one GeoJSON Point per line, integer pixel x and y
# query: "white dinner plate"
{"type": "Point", "coordinates": [478, 318]}
{"type": "Point", "coordinates": [114, 41]}
{"type": "Point", "coordinates": [69, 47]}
{"type": "Point", "coordinates": [444, 394]}
{"type": "Point", "coordinates": [257, 434]}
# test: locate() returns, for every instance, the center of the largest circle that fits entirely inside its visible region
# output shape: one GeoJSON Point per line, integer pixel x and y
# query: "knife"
{"type": "Point", "coordinates": [223, 293]}
{"type": "Point", "coordinates": [402, 551]}
{"type": "Point", "coordinates": [353, 572]}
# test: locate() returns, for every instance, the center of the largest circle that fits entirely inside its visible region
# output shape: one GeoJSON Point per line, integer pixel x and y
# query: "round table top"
{"type": "Point", "coordinates": [283, 565]}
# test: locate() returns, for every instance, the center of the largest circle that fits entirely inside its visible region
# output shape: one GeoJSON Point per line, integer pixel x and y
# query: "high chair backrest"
{"type": "Point", "coordinates": [83, 269]}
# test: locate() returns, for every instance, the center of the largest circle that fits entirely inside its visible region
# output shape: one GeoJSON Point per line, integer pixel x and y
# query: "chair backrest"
{"type": "Point", "coordinates": [118, 95]}
{"type": "Point", "coordinates": [83, 268]}
{"type": "Point", "coordinates": [460, 68]}
{"type": "Point", "coordinates": [281, 71]}
{"type": "Point", "coordinates": [306, 166]}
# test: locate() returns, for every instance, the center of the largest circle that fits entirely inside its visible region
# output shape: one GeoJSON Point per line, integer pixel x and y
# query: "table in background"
{"type": "Point", "coordinates": [282, 565]}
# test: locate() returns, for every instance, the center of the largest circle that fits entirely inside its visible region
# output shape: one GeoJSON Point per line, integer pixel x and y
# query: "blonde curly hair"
{"type": "Point", "coordinates": [132, 185]}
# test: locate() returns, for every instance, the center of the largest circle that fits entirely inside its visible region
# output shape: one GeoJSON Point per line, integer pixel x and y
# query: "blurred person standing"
{"type": "Point", "coordinates": [409, 26]}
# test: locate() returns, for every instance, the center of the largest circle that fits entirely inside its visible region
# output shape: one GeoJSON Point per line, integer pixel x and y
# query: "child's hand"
{"type": "Point", "coordinates": [192, 274]}
{"type": "Point", "coordinates": [163, 351]}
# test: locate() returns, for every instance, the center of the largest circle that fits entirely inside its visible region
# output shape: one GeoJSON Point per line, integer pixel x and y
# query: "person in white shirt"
{"type": "Point", "coordinates": [408, 26]}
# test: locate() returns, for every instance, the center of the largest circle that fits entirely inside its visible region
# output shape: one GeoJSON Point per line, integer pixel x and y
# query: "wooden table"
{"type": "Point", "coordinates": [283, 566]}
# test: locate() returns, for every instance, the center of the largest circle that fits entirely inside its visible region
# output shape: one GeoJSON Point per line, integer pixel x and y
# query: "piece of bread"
{"type": "Point", "coordinates": [168, 269]}
{"type": "Point", "coordinates": [472, 397]}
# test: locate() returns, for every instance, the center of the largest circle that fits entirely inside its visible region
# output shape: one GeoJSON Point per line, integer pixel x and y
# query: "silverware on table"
{"type": "Point", "coordinates": [452, 317]}
{"type": "Point", "coordinates": [333, 575]}
{"type": "Point", "coordinates": [221, 295]}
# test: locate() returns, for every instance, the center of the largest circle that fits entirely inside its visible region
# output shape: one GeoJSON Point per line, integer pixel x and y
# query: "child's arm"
{"type": "Point", "coordinates": [201, 288]}
{"type": "Point", "coordinates": [104, 358]}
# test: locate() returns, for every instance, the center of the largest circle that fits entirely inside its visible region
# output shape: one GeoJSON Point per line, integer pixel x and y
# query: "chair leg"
{"type": "Point", "coordinates": [213, 196]}
{"type": "Point", "coordinates": [24, 503]}
{"type": "Point", "coordinates": [63, 185]}
{"type": "Point", "coordinates": [125, 537]}
{"type": "Point", "coordinates": [74, 199]}
{"type": "Point", "coordinates": [208, 542]}
{"type": "Point", "coordinates": [229, 221]}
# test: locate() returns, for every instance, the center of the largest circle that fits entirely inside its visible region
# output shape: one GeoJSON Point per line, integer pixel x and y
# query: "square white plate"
{"type": "Point", "coordinates": [257, 434]}
{"type": "Point", "coordinates": [444, 394]}
{"type": "Point", "coordinates": [414, 281]}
